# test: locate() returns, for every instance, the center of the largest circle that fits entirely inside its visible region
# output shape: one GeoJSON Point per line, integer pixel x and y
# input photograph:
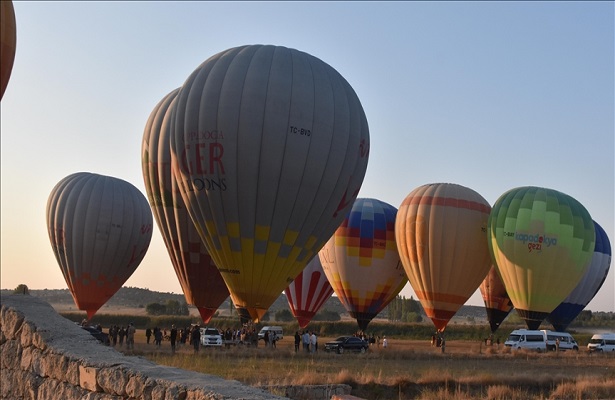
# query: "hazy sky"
{"type": "Point", "coordinates": [491, 96]}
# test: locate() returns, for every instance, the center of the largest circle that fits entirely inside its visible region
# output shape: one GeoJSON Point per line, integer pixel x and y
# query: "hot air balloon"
{"type": "Point", "coordinates": [100, 228]}
{"type": "Point", "coordinates": [497, 302]}
{"type": "Point", "coordinates": [441, 236]}
{"type": "Point", "coordinates": [198, 276]}
{"type": "Point", "coordinates": [588, 287]}
{"type": "Point", "coordinates": [361, 260]}
{"type": "Point", "coordinates": [308, 292]}
{"type": "Point", "coordinates": [270, 147]}
{"type": "Point", "coordinates": [541, 241]}
{"type": "Point", "coordinates": [8, 42]}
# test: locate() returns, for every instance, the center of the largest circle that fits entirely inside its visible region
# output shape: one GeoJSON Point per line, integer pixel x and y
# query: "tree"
{"type": "Point", "coordinates": [21, 289]}
{"type": "Point", "coordinates": [284, 315]}
{"type": "Point", "coordinates": [155, 309]}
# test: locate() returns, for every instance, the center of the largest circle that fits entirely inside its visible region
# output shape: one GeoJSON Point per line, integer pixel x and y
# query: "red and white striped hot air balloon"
{"type": "Point", "coordinates": [308, 292]}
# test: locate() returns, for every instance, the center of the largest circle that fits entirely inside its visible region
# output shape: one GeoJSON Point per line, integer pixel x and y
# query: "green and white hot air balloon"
{"type": "Point", "coordinates": [541, 241]}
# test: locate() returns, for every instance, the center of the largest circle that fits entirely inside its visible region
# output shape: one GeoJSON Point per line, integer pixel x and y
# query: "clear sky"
{"type": "Point", "coordinates": [489, 95]}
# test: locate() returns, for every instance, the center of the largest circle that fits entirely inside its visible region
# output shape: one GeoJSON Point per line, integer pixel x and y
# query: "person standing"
{"type": "Point", "coordinates": [130, 336]}
{"type": "Point", "coordinates": [385, 342]}
{"type": "Point", "coordinates": [173, 338]}
{"type": "Point", "coordinates": [306, 341]}
{"type": "Point", "coordinates": [148, 334]}
{"type": "Point", "coordinates": [195, 338]}
{"type": "Point", "coordinates": [313, 342]}
{"type": "Point", "coordinates": [121, 334]}
{"type": "Point", "coordinates": [297, 341]}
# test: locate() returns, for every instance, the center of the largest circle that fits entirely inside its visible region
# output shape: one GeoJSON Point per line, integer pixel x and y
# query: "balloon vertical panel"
{"type": "Point", "coordinates": [270, 147]}
{"type": "Point", "coordinates": [541, 241]}
{"type": "Point", "coordinates": [441, 235]}
{"type": "Point", "coordinates": [588, 287]}
{"type": "Point", "coordinates": [361, 260]}
{"type": "Point", "coordinates": [198, 275]}
{"type": "Point", "coordinates": [308, 292]}
{"type": "Point", "coordinates": [100, 228]}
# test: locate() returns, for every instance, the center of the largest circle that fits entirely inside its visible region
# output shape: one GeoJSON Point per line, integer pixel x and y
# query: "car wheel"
{"type": "Point", "coordinates": [362, 350]}
{"type": "Point", "coordinates": [340, 350]}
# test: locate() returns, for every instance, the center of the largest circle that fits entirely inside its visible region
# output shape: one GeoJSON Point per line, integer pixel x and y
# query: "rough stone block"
{"type": "Point", "coordinates": [88, 378]}
{"type": "Point", "coordinates": [26, 332]}
{"type": "Point", "coordinates": [26, 359]}
{"type": "Point", "coordinates": [72, 372]}
{"type": "Point", "coordinates": [11, 322]}
{"type": "Point", "coordinates": [11, 354]}
{"type": "Point", "coordinates": [113, 380]}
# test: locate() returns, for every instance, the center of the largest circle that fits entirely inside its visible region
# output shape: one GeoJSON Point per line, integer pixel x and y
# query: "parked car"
{"type": "Point", "coordinates": [99, 335]}
{"type": "Point", "coordinates": [347, 343]}
{"type": "Point", "coordinates": [211, 337]}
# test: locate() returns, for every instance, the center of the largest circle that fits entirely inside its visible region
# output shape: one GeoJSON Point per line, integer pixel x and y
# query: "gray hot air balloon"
{"type": "Point", "coordinates": [100, 228]}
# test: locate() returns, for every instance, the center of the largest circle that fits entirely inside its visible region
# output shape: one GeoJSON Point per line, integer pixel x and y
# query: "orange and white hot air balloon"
{"type": "Point", "coordinates": [100, 228]}
{"type": "Point", "coordinates": [8, 42]}
{"type": "Point", "coordinates": [198, 276]}
{"type": "Point", "coordinates": [441, 232]}
{"type": "Point", "coordinates": [308, 292]}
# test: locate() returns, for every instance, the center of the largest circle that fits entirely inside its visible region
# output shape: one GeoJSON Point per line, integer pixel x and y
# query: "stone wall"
{"type": "Point", "coordinates": [46, 357]}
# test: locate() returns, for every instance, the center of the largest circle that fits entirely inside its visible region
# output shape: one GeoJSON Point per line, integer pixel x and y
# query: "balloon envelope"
{"type": "Point", "coordinates": [497, 302]}
{"type": "Point", "coordinates": [198, 276]}
{"type": "Point", "coordinates": [308, 292]}
{"type": "Point", "coordinates": [100, 228]}
{"type": "Point", "coordinates": [441, 236]}
{"type": "Point", "coordinates": [588, 287]}
{"type": "Point", "coordinates": [541, 241]}
{"type": "Point", "coordinates": [361, 260]}
{"type": "Point", "coordinates": [8, 42]}
{"type": "Point", "coordinates": [270, 148]}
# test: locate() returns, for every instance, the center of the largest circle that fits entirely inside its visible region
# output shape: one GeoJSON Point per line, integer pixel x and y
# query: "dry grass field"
{"type": "Point", "coordinates": [407, 369]}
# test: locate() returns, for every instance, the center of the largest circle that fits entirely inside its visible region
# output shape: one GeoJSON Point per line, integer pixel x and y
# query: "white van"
{"type": "Point", "coordinates": [602, 342]}
{"type": "Point", "coordinates": [527, 339]}
{"type": "Point", "coordinates": [566, 341]}
{"type": "Point", "coordinates": [279, 333]}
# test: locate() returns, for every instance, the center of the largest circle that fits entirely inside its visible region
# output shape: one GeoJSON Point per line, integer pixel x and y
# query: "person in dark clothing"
{"type": "Point", "coordinates": [297, 341]}
{"type": "Point", "coordinates": [148, 334]}
{"type": "Point", "coordinates": [195, 338]}
{"type": "Point", "coordinates": [173, 337]}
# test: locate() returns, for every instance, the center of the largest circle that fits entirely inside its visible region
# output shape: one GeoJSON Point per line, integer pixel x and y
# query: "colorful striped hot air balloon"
{"type": "Point", "coordinates": [100, 228]}
{"type": "Point", "coordinates": [198, 276]}
{"type": "Point", "coordinates": [497, 302]}
{"type": "Point", "coordinates": [442, 241]}
{"type": "Point", "coordinates": [361, 260]}
{"type": "Point", "coordinates": [590, 284]}
{"type": "Point", "coordinates": [270, 148]}
{"type": "Point", "coordinates": [542, 242]}
{"type": "Point", "coordinates": [308, 292]}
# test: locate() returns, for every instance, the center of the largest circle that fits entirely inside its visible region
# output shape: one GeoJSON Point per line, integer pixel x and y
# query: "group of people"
{"type": "Point", "coordinates": [119, 333]}
{"type": "Point", "coordinates": [191, 334]}
{"type": "Point", "coordinates": [309, 340]}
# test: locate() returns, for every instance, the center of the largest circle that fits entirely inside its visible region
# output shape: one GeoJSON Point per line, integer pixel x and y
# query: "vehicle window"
{"type": "Point", "coordinates": [534, 338]}
{"type": "Point", "coordinates": [514, 338]}
{"type": "Point", "coordinates": [610, 342]}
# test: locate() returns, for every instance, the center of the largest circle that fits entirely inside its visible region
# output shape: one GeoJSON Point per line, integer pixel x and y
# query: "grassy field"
{"type": "Point", "coordinates": [407, 369]}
